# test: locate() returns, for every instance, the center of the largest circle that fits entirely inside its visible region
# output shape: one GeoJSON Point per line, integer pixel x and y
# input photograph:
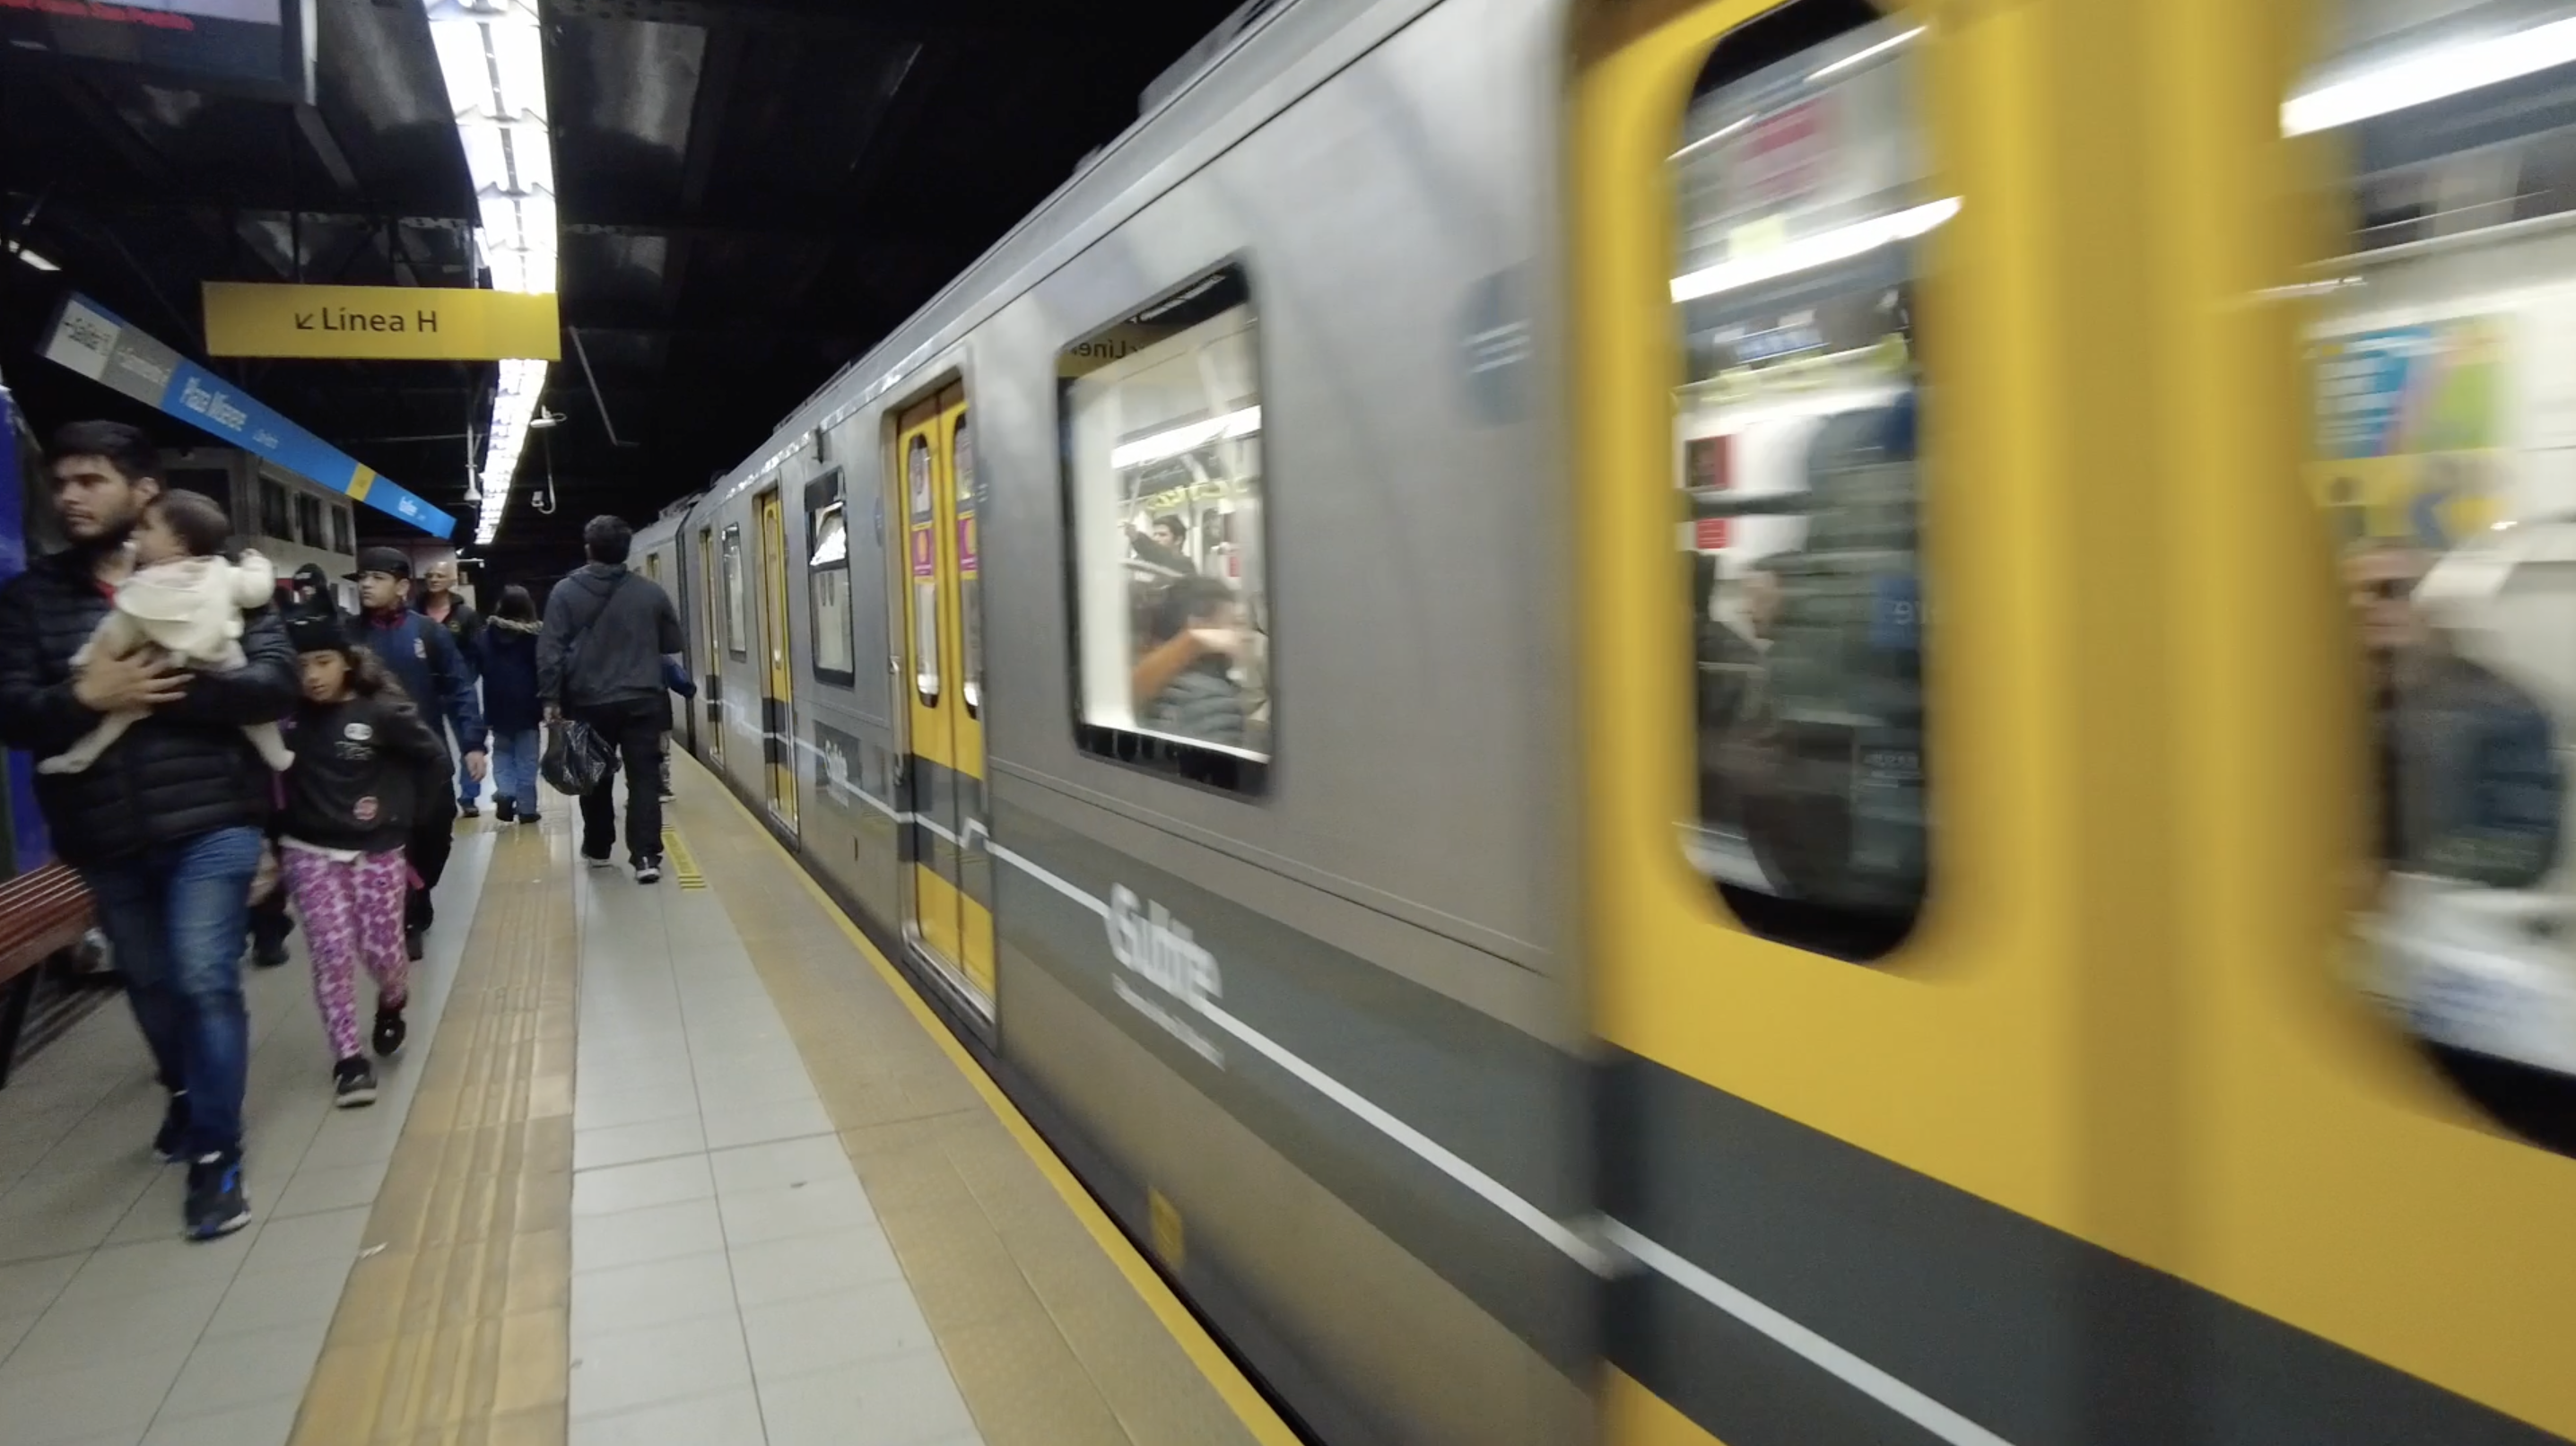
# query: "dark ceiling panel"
{"type": "Point", "coordinates": [752, 192]}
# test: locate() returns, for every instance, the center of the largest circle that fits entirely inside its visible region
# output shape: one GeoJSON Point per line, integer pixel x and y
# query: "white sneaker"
{"type": "Point", "coordinates": [606, 863]}
{"type": "Point", "coordinates": [648, 871]}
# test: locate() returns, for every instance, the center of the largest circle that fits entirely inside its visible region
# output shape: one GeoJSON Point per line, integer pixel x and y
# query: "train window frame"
{"type": "Point", "coordinates": [276, 512]}
{"type": "Point", "coordinates": [825, 505]}
{"type": "Point", "coordinates": [1811, 807]}
{"type": "Point", "coordinates": [729, 558]}
{"type": "Point", "coordinates": [1242, 773]}
{"type": "Point", "coordinates": [2425, 462]}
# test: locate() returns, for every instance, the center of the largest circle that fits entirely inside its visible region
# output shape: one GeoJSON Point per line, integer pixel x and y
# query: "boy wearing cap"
{"type": "Point", "coordinates": [423, 658]}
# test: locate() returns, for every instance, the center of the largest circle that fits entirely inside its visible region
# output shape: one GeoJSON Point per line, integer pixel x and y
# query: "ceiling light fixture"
{"type": "Point", "coordinates": [2431, 75]}
{"type": "Point", "coordinates": [1188, 437]}
{"type": "Point", "coordinates": [31, 258]}
{"type": "Point", "coordinates": [1809, 252]}
{"type": "Point", "coordinates": [492, 56]}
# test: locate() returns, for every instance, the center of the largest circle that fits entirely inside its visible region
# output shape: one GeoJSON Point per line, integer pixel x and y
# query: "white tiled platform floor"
{"type": "Point", "coordinates": [116, 1332]}
{"type": "Point", "coordinates": [731, 1285]}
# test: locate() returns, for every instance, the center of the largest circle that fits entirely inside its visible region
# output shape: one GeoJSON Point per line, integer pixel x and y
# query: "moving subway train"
{"type": "Point", "coordinates": [2047, 922]}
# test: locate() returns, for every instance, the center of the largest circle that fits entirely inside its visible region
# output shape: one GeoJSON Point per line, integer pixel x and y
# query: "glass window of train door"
{"type": "Point", "coordinates": [735, 604]}
{"type": "Point", "coordinates": [921, 513]}
{"type": "Point", "coordinates": [1162, 421]}
{"type": "Point", "coordinates": [827, 571]}
{"type": "Point", "coordinates": [2448, 135]}
{"type": "Point", "coordinates": [1802, 191]}
{"type": "Point", "coordinates": [970, 566]}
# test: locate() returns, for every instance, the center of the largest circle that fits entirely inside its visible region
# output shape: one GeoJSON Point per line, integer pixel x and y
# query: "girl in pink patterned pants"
{"type": "Point", "coordinates": [362, 757]}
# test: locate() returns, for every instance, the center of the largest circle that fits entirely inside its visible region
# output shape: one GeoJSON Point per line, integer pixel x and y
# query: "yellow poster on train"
{"type": "Point", "coordinates": [2410, 431]}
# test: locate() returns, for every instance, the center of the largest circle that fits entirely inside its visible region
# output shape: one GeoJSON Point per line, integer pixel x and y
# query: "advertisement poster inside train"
{"type": "Point", "coordinates": [2410, 442]}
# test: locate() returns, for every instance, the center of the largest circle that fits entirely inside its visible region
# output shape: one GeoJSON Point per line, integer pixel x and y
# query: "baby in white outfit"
{"type": "Point", "coordinates": [186, 601]}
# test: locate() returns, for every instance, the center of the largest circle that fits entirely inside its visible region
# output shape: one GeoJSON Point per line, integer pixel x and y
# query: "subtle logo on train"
{"type": "Point", "coordinates": [1160, 951]}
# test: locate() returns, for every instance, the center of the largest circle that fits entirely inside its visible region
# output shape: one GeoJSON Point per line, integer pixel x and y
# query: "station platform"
{"type": "Point", "coordinates": [680, 1165]}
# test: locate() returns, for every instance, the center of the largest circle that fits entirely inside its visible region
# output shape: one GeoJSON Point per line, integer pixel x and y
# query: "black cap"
{"type": "Point", "coordinates": [382, 559]}
{"type": "Point", "coordinates": [316, 630]}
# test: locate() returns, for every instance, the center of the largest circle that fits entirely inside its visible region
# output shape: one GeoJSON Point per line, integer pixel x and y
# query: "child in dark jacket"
{"type": "Point", "coordinates": [363, 760]}
{"type": "Point", "coordinates": [510, 705]}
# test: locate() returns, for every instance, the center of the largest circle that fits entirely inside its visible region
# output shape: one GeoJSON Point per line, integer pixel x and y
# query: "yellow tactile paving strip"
{"type": "Point", "coordinates": [452, 1331]}
{"type": "Point", "coordinates": [1057, 1331]}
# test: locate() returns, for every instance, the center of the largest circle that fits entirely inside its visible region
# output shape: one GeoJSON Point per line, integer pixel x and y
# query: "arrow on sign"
{"type": "Point", "coordinates": [303, 321]}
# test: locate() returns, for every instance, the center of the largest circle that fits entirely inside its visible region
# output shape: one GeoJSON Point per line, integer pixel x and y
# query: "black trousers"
{"type": "Point", "coordinates": [635, 730]}
{"type": "Point", "coordinates": [431, 842]}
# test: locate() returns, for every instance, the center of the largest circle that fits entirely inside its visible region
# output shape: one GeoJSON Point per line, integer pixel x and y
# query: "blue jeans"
{"type": "Point", "coordinates": [514, 768]}
{"type": "Point", "coordinates": [175, 916]}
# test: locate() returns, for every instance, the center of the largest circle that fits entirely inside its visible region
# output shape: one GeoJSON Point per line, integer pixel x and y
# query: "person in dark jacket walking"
{"type": "Point", "coordinates": [166, 826]}
{"type": "Point", "coordinates": [440, 603]}
{"type": "Point", "coordinates": [599, 660]}
{"type": "Point", "coordinates": [510, 705]}
{"type": "Point", "coordinates": [422, 657]}
{"type": "Point", "coordinates": [364, 760]}
{"type": "Point", "coordinates": [308, 591]}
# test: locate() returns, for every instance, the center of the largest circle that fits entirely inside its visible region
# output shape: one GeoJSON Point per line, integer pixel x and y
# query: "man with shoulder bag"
{"type": "Point", "coordinates": [599, 662]}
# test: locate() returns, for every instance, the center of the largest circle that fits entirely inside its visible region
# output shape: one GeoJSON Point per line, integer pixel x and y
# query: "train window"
{"type": "Point", "coordinates": [1804, 195]}
{"type": "Point", "coordinates": [344, 537]}
{"type": "Point", "coordinates": [308, 522]}
{"type": "Point", "coordinates": [828, 574]}
{"type": "Point", "coordinates": [2435, 343]}
{"type": "Point", "coordinates": [735, 606]}
{"type": "Point", "coordinates": [1163, 467]}
{"type": "Point", "coordinates": [276, 519]}
{"type": "Point", "coordinates": [970, 569]}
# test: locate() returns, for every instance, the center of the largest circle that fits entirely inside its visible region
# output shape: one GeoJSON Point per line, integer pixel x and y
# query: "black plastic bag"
{"type": "Point", "coordinates": [576, 757]}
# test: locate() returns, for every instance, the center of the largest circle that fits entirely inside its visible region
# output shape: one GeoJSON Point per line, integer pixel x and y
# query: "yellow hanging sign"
{"type": "Point", "coordinates": [380, 323]}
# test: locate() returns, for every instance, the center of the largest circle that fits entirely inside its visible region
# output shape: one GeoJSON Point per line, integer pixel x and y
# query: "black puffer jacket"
{"type": "Point", "coordinates": [182, 771]}
{"type": "Point", "coordinates": [1203, 702]}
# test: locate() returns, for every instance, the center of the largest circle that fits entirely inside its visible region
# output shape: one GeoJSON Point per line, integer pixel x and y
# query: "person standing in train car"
{"type": "Point", "coordinates": [2469, 784]}
{"type": "Point", "coordinates": [422, 656]}
{"type": "Point", "coordinates": [510, 705]}
{"type": "Point", "coordinates": [441, 604]}
{"type": "Point", "coordinates": [1186, 686]}
{"type": "Point", "coordinates": [599, 660]}
{"type": "Point", "coordinates": [165, 827]}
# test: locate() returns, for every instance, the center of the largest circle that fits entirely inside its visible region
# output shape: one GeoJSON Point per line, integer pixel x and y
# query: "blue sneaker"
{"type": "Point", "coordinates": [217, 1205]}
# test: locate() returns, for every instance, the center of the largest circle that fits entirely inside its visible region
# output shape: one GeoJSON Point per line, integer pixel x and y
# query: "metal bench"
{"type": "Point", "coordinates": [42, 913]}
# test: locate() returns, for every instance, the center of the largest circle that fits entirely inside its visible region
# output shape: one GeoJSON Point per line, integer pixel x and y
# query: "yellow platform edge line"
{"type": "Point", "coordinates": [1232, 1386]}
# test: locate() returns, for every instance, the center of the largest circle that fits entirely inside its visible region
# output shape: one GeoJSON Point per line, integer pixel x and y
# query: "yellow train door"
{"type": "Point", "coordinates": [1871, 902]}
{"type": "Point", "coordinates": [2366, 401]}
{"type": "Point", "coordinates": [711, 672]}
{"type": "Point", "coordinates": [950, 878]}
{"type": "Point", "coordinates": [778, 693]}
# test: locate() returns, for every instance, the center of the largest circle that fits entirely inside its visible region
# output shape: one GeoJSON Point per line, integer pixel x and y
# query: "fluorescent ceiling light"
{"type": "Point", "coordinates": [31, 258]}
{"type": "Point", "coordinates": [1713, 137]}
{"type": "Point", "coordinates": [1189, 438]}
{"type": "Point", "coordinates": [491, 53]}
{"type": "Point", "coordinates": [1867, 53]}
{"type": "Point", "coordinates": [2445, 70]}
{"type": "Point", "coordinates": [1809, 252]}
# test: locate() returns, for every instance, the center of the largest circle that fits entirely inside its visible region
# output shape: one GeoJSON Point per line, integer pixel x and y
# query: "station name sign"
{"type": "Point", "coordinates": [380, 323]}
{"type": "Point", "coordinates": [102, 346]}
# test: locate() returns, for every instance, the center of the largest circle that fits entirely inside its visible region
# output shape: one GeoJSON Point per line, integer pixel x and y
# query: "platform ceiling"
{"type": "Point", "coordinates": [752, 192]}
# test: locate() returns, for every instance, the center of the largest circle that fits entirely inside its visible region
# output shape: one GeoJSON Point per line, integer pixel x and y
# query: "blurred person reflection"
{"type": "Point", "coordinates": [1187, 684]}
{"type": "Point", "coordinates": [2469, 788]}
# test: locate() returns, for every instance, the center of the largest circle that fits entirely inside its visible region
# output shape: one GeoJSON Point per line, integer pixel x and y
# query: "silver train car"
{"type": "Point", "coordinates": [1294, 994]}
{"type": "Point", "coordinates": [1378, 658]}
